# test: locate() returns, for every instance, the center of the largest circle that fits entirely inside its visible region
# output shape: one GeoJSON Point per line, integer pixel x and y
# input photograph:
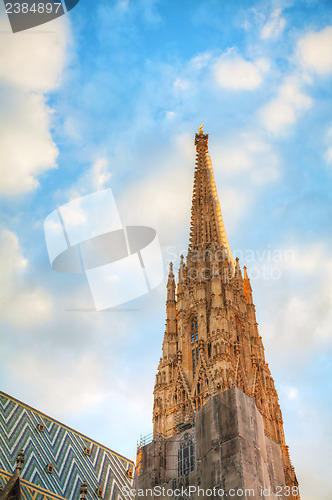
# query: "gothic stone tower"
{"type": "Point", "coordinates": [216, 417]}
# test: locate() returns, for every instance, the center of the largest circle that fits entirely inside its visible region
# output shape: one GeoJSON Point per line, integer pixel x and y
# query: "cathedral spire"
{"type": "Point", "coordinates": [19, 461]}
{"type": "Point", "coordinates": [169, 345]}
{"type": "Point", "coordinates": [12, 490]}
{"type": "Point", "coordinates": [238, 274]}
{"type": "Point", "coordinates": [212, 359]}
{"type": "Point", "coordinates": [171, 284]}
{"type": "Point", "coordinates": [247, 286]}
{"type": "Point", "coordinates": [207, 230]}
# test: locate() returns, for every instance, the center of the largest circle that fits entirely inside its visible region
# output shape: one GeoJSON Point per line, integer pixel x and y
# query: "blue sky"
{"type": "Point", "coordinates": [111, 95]}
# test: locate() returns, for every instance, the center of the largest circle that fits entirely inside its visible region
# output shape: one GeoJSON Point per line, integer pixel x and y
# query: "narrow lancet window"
{"type": "Point", "coordinates": [194, 329]}
{"type": "Point", "coordinates": [186, 456]}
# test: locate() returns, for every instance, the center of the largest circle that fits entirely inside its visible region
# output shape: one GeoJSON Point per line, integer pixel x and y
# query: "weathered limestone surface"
{"type": "Point", "coordinates": [231, 453]}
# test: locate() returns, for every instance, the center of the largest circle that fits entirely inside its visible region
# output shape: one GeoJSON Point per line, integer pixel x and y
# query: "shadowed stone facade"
{"type": "Point", "coordinates": [213, 382]}
{"type": "Point", "coordinates": [230, 452]}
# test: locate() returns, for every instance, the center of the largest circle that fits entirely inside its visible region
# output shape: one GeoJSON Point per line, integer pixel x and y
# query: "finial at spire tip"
{"type": "Point", "coordinates": [20, 461]}
{"type": "Point", "coordinates": [200, 130]}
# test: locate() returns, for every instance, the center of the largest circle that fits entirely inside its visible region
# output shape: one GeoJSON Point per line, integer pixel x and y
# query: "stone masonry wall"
{"type": "Point", "coordinates": [232, 455]}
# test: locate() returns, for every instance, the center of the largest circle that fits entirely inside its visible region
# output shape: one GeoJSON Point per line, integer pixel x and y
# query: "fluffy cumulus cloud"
{"type": "Point", "coordinates": [79, 365]}
{"type": "Point", "coordinates": [33, 61]}
{"type": "Point", "coordinates": [100, 173]}
{"type": "Point", "coordinates": [243, 164]}
{"type": "Point", "coordinates": [159, 202]}
{"type": "Point", "coordinates": [162, 200]}
{"type": "Point", "coordinates": [313, 56]}
{"type": "Point", "coordinates": [31, 65]}
{"type": "Point", "coordinates": [233, 72]}
{"type": "Point", "coordinates": [313, 469]}
{"type": "Point", "coordinates": [71, 356]}
{"type": "Point", "coordinates": [20, 302]}
{"type": "Point", "coordinates": [96, 177]}
{"type": "Point", "coordinates": [293, 279]}
{"type": "Point", "coordinates": [296, 320]}
{"type": "Point", "coordinates": [246, 153]}
{"type": "Point", "coordinates": [26, 145]}
{"type": "Point", "coordinates": [274, 26]}
{"type": "Point", "coordinates": [73, 381]}
{"type": "Point", "coordinates": [285, 108]}
{"type": "Point", "coordinates": [315, 51]}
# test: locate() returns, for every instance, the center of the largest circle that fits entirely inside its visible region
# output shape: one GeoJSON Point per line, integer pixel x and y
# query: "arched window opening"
{"type": "Point", "coordinates": [194, 329]}
{"type": "Point", "coordinates": [195, 354]}
{"type": "Point", "coordinates": [186, 456]}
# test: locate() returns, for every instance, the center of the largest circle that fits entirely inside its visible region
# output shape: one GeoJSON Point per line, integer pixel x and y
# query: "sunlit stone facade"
{"type": "Point", "coordinates": [213, 359]}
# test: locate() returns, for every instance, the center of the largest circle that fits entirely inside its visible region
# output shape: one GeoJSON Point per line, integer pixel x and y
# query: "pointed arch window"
{"type": "Point", "coordinates": [186, 455]}
{"type": "Point", "coordinates": [195, 354]}
{"type": "Point", "coordinates": [194, 329]}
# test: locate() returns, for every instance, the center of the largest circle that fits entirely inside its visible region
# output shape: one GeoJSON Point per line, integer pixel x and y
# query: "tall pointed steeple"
{"type": "Point", "coordinates": [213, 352]}
{"type": "Point", "coordinates": [12, 490]}
{"type": "Point", "coordinates": [169, 344]}
{"type": "Point", "coordinates": [207, 230]}
{"type": "Point", "coordinates": [247, 286]}
{"type": "Point", "coordinates": [171, 285]}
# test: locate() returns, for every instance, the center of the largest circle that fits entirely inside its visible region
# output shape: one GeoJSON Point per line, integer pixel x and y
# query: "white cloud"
{"type": "Point", "coordinates": [79, 385]}
{"type": "Point", "coordinates": [170, 115]}
{"type": "Point", "coordinates": [235, 73]}
{"type": "Point", "coordinates": [31, 64]}
{"type": "Point", "coordinates": [234, 159]}
{"type": "Point", "coordinates": [11, 259]}
{"type": "Point", "coordinates": [234, 204]}
{"type": "Point", "coordinates": [26, 145]}
{"type": "Point", "coordinates": [329, 155]}
{"type": "Point", "coordinates": [274, 25]}
{"type": "Point", "coordinates": [313, 469]}
{"type": "Point", "coordinates": [20, 303]}
{"type": "Point", "coordinates": [315, 51]}
{"type": "Point", "coordinates": [302, 292]}
{"type": "Point", "coordinates": [200, 61]}
{"type": "Point", "coordinates": [163, 200]}
{"type": "Point", "coordinates": [93, 179]}
{"type": "Point", "coordinates": [249, 154]}
{"type": "Point", "coordinates": [307, 262]}
{"type": "Point", "coordinates": [100, 173]}
{"type": "Point", "coordinates": [292, 393]}
{"type": "Point", "coordinates": [285, 109]}
{"type": "Point", "coordinates": [33, 60]}
{"type": "Point", "coordinates": [191, 73]}
{"type": "Point", "coordinates": [181, 84]}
